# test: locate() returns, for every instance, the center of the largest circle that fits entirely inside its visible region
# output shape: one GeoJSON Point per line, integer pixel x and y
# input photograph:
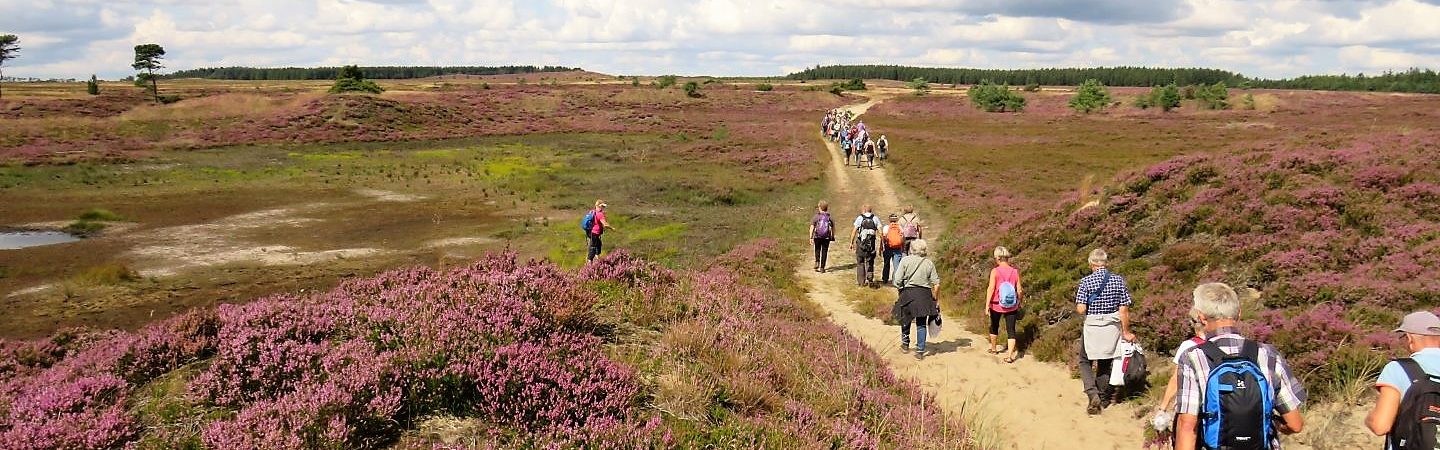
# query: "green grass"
{"type": "Point", "coordinates": [100, 215]}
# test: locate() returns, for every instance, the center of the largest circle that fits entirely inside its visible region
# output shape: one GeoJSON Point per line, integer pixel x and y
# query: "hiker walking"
{"type": "Point", "coordinates": [1002, 302]}
{"type": "Point", "coordinates": [822, 232]}
{"type": "Point", "coordinates": [863, 240]}
{"type": "Point", "coordinates": [917, 280]}
{"type": "Point", "coordinates": [894, 248]}
{"type": "Point", "coordinates": [1408, 391]}
{"type": "Point", "coordinates": [870, 155]}
{"type": "Point", "coordinates": [1234, 393]}
{"type": "Point", "coordinates": [845, 147]}
{"type": "Point", "coordinates": [1103, 299]}
{"type": "Point", "coordinates": [910, 225]}
{"type": "Point", "coordinates": [882, 147]}
{"type": "Point", "coordinates": [595, 225]}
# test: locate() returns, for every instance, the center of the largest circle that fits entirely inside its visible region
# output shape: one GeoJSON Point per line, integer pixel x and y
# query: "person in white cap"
{"type": "Point", "coordinates": [1422, 337]}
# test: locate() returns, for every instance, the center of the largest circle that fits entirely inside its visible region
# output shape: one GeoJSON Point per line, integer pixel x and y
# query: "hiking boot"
{"type": "Point", "coordinates": [919, 355]}
{"type": "Point", "coordinates": [904, 348]}
{"type": "Point", "coordinates": [1094, 408]}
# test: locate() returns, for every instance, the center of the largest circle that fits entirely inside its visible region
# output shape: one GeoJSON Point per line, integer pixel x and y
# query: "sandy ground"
{"type": "Point", "coordinates": [1028, 404]}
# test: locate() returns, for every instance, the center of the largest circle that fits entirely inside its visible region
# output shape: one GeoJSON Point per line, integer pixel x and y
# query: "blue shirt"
{"type": "Point", "coordinates": [1394, 376]}
{"type": "Point", "coordinates": [1115, 295]}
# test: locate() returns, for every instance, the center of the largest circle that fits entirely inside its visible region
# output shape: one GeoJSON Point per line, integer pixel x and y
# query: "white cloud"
{"type": "Point", "coordinates": [73, 38]}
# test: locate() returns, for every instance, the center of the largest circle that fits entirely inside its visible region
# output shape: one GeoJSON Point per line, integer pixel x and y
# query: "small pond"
{"type": "Point", "coordinates": [11, 240]}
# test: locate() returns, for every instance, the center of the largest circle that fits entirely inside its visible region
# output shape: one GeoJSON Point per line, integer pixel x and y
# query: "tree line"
{"type": "Point", "coordinates": [1110, 76]}
{"type": "Point", "coordinates": [331, 73]}
{"type": "Point", "coordinates": [1413, 80]}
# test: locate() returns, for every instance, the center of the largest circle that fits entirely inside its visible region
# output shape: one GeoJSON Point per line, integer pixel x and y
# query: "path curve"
{"type": "Point", "coordinates": [1025, 405]}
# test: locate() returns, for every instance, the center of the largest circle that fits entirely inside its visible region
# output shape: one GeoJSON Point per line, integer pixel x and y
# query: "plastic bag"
{"type": "Point", "coordinates": [933, 330]}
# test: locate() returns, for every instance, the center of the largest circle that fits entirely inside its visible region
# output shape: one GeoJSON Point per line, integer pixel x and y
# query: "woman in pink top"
{"type": "Point", "coordinates": [597, 229]}
{"type": "Point", "coordinates": [1002, 301]}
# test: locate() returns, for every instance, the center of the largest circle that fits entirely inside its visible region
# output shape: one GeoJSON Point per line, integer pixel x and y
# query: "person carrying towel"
{"type": "Point", "coordinates": [1104, 300]}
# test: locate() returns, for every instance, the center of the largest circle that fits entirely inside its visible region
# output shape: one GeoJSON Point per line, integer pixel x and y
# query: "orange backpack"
{"type": "Point", "coordinates": [894, 239]}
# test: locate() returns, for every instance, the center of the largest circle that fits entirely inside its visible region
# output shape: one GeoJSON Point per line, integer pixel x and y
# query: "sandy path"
{"type": "Point", "coordinates": [1025, 405]}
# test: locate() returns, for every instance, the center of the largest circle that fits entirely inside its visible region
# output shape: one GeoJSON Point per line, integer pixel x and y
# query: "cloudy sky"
{"type": "Point", "coordinates": [74, 38]}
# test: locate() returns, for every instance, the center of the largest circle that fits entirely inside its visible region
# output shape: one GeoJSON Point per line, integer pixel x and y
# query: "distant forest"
{"type": "Point", "coordinates": [1413, 80]}
{"type": "Point", "coordinates": [329, 73]}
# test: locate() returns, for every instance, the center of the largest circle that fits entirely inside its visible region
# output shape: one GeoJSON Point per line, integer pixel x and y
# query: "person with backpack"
{"type": "Point", "coordinates": [594, 225]}
{"type": "Point", "coordinates": [1003, 294]}
{"type": "Point", "coordinates": [894, 248]}
{"type": "Point", "coordinates": [917, 281]}
{"type": "Point", "coordinates": [822, 232]}
{"type": "Point", "coordinates": [1103, 300]}
{"type": "Point", "coordinates": [1234, 393]}
{"type": "Point", "coordinates": [869, 154]}
{"type": "Point", "coordinates": [845, 147]}
{"type": "Point", "coordinates": [882, 147]}
{"type": "Point", "coordinates": [863, 240]}
{"type": "Point", "coordinates": [1406, 410]}
{"type": "Point", "coordinates": [910, 225]}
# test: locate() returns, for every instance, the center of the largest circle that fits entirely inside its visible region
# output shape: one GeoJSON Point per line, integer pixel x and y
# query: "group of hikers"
{"type": "Point", "coordinates": [1226, 391]}
{"type": "Point", "coordinates": [854, 139]}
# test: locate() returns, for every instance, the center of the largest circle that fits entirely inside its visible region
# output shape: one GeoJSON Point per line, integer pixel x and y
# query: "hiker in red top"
{"type": "Point", "coordinates": [597, 227]}
{"type": "Point", "coordinates": [1002, 301]}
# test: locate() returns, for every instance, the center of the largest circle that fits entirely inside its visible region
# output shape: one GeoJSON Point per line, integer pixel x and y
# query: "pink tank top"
{"type": "Point", "coordinates": [1003, 274]}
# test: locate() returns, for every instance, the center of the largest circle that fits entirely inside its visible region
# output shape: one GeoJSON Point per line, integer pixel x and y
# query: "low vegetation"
{"type": "Point", "coordinates": [1090, 97]}
{"type": "Point", "coordinates": [351, 79]}
{"type": "Point", "coordinates": [990, 97]}
{"type": "Point", "coordinates": [529, 355]}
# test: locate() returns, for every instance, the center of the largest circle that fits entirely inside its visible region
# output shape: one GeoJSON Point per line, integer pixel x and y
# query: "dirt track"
{"type": "Point", "coordinates": [1025, 405]}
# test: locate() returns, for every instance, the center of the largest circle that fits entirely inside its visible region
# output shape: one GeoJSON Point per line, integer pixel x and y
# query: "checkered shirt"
{"type": "Point", "coordinates": [1195, 370]}
{"type": "Point", "coordinates": [1116, 293]}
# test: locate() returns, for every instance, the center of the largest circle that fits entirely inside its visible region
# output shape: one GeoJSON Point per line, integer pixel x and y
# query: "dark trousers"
{"type": "Point", "coordinates": [1095, 387]}
{"type": "Point", "coordinates": [822, 252]}
{"type": "Point", "coordinates": [892, 262]}
{"type": "Point", "coordinates": [594, 246]}
{"type": "Point", "coordinates": [1009, 318]}
{"type": "Point", "coordinates": [864, 268]}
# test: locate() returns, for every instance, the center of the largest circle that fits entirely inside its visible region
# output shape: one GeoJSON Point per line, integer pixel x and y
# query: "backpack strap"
{"type": "Point", "coordinates": [1094, 295]}
{"type": "Point", "coordinates": [1250, 350]}
{"type": "Point", "coordinates": [1413, 370]}
{"type": "Point", "coordinates": [1213, 352]}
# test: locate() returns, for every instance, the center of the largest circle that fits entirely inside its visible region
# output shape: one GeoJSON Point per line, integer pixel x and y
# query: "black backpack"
{"type": "Point", "coordinates": [1419, 418]}
{"type": "Point", "coordinates": [867, 240]}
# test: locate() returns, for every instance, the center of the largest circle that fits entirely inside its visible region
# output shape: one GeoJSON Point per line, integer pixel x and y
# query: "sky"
{"type": "Point", "coordinates": [76, 38]}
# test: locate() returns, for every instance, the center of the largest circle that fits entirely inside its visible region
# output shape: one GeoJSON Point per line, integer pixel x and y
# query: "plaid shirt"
{"type": "Point", "coordinates": [1195, 370]}
{"type": "Point", "coordinates": [1116, 293]}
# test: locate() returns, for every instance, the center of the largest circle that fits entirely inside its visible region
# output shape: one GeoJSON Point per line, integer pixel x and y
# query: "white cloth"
{"type": "Point", "coordinates": [1186, 345]}
{"type": "Point", "coordinates": [1102, 336]}
{"type": "Point", "coordinates": [1117, 370]}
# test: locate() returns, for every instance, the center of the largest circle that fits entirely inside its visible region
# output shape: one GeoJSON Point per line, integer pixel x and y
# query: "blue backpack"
{"type": "Point", "coordinates": [1238, 400]}
{"type": "Point", "coordinates": [588, 223]}
{"type": "Point", "coordinates": [1008, 297]}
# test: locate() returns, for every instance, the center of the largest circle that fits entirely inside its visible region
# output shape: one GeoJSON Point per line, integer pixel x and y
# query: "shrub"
{"type": "Point", "coordinates": [1214, 96]}
{"type": "Point", "coordinates": [692, 89]}
{"type": "Point", "coordinates": [855, 84]}
{"type": "Point", "coordinates": [1092, 96]}
{"type": "Point", "coordinates": [920, 86]}
{"type": "Point", "coordinates": [107, 274]}
{"type": "Point", "coordinates": [665, 81]}
{"type": "Point", "coordinates": [764, 87]}
{"type": "Point", "coordinates": [351, 79]}
{"type": "Point", "coordinates": [1248, 102]}
{"type": "Point", "coordinates": [102, 215]}
{"type": "Point", "coordinates": [92, 87]}
{"type": "Point", "coordinates": [1165, 97]}
{"type": "Point", "coordinates": [1032, 87]}
{"type": "Point", "coordinates": [990, 97]}
{"type": "Point", "coordinates": [84, 228]}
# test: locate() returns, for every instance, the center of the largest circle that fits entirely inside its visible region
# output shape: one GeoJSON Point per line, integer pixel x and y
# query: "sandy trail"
{"type": "Point", "coordinates": [1025, 405]}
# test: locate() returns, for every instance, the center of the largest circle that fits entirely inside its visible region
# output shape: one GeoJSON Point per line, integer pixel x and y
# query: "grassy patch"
{"type": "Point", "coordinates": [100, 215]}
{"type": "Point", "coordinates": [106, 275]}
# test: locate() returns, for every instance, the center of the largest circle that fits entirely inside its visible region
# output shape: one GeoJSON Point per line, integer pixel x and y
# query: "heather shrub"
{"type": "Point", "coordinates": [764, 87]}
{"type": "Point", "coordinates": [665, 81]}
{"type": "Point", "coordinates": [1340, 242]}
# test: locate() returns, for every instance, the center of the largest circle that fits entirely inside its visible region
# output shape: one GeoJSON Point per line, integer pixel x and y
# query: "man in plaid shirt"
{"type": "Point", "coordinates": [1216, 309]}
{"type": "Point", "coordinates": [1104, 301]}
